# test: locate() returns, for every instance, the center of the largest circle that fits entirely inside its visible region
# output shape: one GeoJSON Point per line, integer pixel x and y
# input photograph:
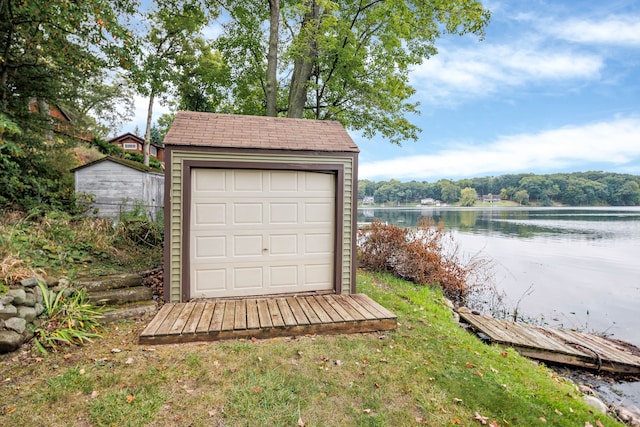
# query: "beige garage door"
{"type": "Point", "coordinates": [259, 232]}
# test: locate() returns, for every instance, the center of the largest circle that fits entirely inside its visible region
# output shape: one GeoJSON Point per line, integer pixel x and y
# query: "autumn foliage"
{"type": "Point", "coordinates": [426, 255]}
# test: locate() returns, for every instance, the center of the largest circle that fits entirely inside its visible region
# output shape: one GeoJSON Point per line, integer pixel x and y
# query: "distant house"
{"type": "Point", "coordinates": [62, 121]}
{"type": "Point", "coordinates": [491, 198]}
{"type": "Point", "coordinates": [119, 185]}
{"type": "Point", "coordinates": [427, 202]}
{"type": "Point", "coordinates": [131, 142]}
{"type": "Point", "coordinates": [367, 200]}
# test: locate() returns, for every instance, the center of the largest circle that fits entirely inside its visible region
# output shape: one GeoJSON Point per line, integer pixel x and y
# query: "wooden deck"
{"type": "Point", "coordinates": [559, 345]}
{"type": "Point", "coordinates": [207, 320]}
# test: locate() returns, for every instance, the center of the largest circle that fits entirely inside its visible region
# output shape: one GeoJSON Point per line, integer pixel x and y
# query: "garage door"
{"type": "Point", "coordinates": [259, 232]}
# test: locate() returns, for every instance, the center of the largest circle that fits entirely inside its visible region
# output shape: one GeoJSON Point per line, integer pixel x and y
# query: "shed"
{"type": "Point", "coordinates": [118, 184]}
{"type": "Point", "coordinates": [258, 206]}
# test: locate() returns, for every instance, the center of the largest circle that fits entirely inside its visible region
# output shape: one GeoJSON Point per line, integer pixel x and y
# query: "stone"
{"type": "Point", "coordinates": [17, 324]}
{"type": "Point", "coordinates": [39, 309]}
{"type": "Point", "coordinates": [596, 404]}
{"type": "Point", "coordinates": [30, 299]}
{"type": "Point", "coordinates": [38, 294]}
{"type": "Point", "coordinates": [64, 282]}
{"type": "Point", "coordinates": [29, 282]}
{"type": "Point", "coordinates": [6, 300]}
{"type": "Point", "coordinates": [18, 295]}
{"type": "Point", "coordinates": [27, 313]}
{"type": "Point", "coordinates": [1, 324]}
{"type": "Point", "coordinates": [10, 341]}
{"type": "Point", "coordinates": [8, 311]}
{"type": "Point", "coordinates": [629, 414]}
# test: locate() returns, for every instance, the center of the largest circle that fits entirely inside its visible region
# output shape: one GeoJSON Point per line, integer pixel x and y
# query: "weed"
{"type": "Point", "coordinates": [69, 321]}
{"type": "Point", "coordinates": [425, 255]}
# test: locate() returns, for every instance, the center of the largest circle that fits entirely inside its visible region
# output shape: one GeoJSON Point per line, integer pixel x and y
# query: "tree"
{"type": "Point", "coordinates": [173, 26]}
{"type": "Point", "coordinates": [468, 196]}
{"type": "Point", "coordinates": [521, 197]}
{"type": "Point", "coordinates": [50, 51]}
{"type": "Point", "coordinates": [346, 61]}
{"type": "Point", "coordinates": [450, 192]}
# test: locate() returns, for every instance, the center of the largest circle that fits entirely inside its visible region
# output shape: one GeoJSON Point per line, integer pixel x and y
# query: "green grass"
{"type": "Point", "coordinates": [429, 371]}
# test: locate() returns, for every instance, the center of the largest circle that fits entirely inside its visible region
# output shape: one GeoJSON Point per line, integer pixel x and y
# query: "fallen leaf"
{"type": "Point", "coordinates": [167, 406]}
{"type": "Point", "coordinates": [257, 389]}
{"type": "Point", "coordinates": [598, 423]}
{"type": "Point", "coordinates": [456, 421]}
{"type": "Point", "coordinates": [338, 362]}
{"type": "Point", "coordinates": [494, 370]}
{"type": "Point", "coordinates": [217, 362]}
{"type": "Point", "coordinates": [233, 370]}
{"type": "Point", "coordinates": [478, 373]}
{"type": "Point", "coordinates": [11, 409]}
{"type": "Point", "coordinates": [478, 417]}
{"type": "Point", "coordinates": [558, 412]}
{"type": "Point", "coordinates": [376, 385]}
{"type": "Point", "coordinates": [469, 365]}
{"type": "Point", "coordinates": [301, 422]}
{"type": "Point", "coordinates": [115, 350]}
{"type": "Point", "coordinates": [212, 414]}
{"type": "Point", "coordinates": [457, 400]}
{"type": "Point", "coordinates": [367, 411]}
{"type": "Point", "coordinates": [129, 361]}
{"type": "Point", "coordinates": [94, 394]}
{"type": "Point", "coordinates": [494, 424]}
{"type": "Point", "coordinates": [130, 398]}
{"type": "Point", "coordinates": [543, 419]}
{"type": "Point", "coordinates": [259, 359]}
{"type": "Point", "coordinates": [81, 371]}
{"type": "Point", "coordinates": [587, 424]}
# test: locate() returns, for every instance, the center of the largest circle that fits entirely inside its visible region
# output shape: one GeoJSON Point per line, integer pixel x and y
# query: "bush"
{"type": "Point", "coordinates": [426, 255]}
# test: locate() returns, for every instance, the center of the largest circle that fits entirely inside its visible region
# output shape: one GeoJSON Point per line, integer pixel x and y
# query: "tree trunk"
{"type": "Point", "coordinates": [303, 66]}
{"type": "Point", "coordinates": [147, 132]}
{"type": "Point", "coordinates": [272, 58]}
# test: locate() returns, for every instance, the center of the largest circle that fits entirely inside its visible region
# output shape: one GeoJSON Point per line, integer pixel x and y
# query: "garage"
{"type": "Point", "coordinates": [258, 206]}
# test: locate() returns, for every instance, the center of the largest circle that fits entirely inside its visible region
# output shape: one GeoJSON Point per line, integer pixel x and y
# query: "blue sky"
{"type": "Point", "coordinates": [553, 87]}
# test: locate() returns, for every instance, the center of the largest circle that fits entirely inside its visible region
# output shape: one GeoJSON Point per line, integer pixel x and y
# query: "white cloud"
{"type": "Point", "coordinates": [616, 143]}
{"type": "Point", "coordinates": [456, 74]}
{"type": "Point", "coordinates": [613, 30]}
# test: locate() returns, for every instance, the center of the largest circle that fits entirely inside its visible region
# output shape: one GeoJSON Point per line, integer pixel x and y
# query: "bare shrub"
{"type": "Point", "coordinates": [426, 255]}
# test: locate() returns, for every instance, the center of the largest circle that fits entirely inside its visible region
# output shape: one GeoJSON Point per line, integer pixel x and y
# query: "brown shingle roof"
{"type": "Point", "coordinates": [275, 133]}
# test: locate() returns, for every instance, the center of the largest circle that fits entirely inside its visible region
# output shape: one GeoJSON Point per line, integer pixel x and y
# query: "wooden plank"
{"type": "Point", "coordinates": [287, 315]}
{"type": "Point", "coordinates": [170, 319]}
{"type": "Point", "coordinates": [182, 319]}
{"type": "Point", "coordinates": [298, 312]}
{"type": "Point", "coordinates": [205, 318]}
{"type": "Point", "coordinates": [360, 309]}
{"type": "Point", "coordinates": [373, 306]}
{"type": "Point", "coordinates": [335, 316]}
{"type": "Point", "coordinates": [318, 310]}
{"type": "Point", "coordinates": [344, 314]}
{"type": "Point", "coordinates": [229, 316]}
{"type": "Point", "coordinates": [240, 321]}
{"type": "Point", "coordinates": [253, 318]}
{"type": "Point", "coordinates": [274, 313]}
{"type": "Point", "coordinates": [348, 308]}
{"type": "Point", "coordinates": [217, 316]}
{"type": "Point", "coordinates": [314, 319]}
{"type": "Point", "coordinates": [155, 323]}
{"type": "Point", "coordinates": [194, 319]}
{"type": "Point", "coordinates": [263, 314]}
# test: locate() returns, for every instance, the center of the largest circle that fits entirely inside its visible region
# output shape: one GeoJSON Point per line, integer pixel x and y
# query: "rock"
{"type": "Point", "coordinates": [38, 294]}
{"type": "Point", "coordinates": [27, 313]}
{"type": "Point", "coordinates": [19, 295]}
{"type": "Point", "coordinates": [17, 324]}
{"type": "Point", "coordinates": [64, 282]}
{"type": "Point", "coordinates": [31, 282]}
{"type": "Point", "coordinates": [1, 324]}
{"type": "Point", "coordinates": [596, 403]}
{"type": "Point", "coordinates": [629, 414]}
{"type": "Point", "coordinates": [10, 341]}
{"type": "Point", "coordinates": [130, 311]}
{"type": "Point", "coordinates": [6, 300]}
{"type": "Point", "coordinates": [39, 309]}
{"type": "Point", "coordinates": [8, 311]}
{"type": "Point", "coordinates": [30, 299]}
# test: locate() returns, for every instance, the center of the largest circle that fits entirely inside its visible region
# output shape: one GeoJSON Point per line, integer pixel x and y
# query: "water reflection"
{"type": "Point", "coordinates": [569, 223]}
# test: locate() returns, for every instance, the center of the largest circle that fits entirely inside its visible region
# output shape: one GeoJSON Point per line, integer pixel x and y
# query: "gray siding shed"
{"type": "Point", "coordinates": [118, 185]}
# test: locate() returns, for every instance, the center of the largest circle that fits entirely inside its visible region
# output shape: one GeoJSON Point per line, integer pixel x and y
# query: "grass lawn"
{"type": "Point", "coordinates": [430, 372]}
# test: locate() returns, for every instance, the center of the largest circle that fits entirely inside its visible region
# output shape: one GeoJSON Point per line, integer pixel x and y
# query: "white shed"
{"type": "Point", "coordinates": [119, 185]}
{"type": "Point", "coordinates": [258, 206]}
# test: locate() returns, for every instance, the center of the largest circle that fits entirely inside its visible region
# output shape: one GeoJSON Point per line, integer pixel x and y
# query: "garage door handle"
{"type": "Point", "coordinates": [265, 250]}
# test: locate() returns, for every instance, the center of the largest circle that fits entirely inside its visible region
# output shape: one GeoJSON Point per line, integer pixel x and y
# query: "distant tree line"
{"type": "Point", "coordinates": [574, 189]}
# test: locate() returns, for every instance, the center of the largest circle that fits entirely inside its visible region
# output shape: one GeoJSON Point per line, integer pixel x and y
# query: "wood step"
{"type": "Point", "coordinates": [121, 296]}
{"type": "Point", "coordinates": [135, 310]}
{"type": "Point", "coordinates": [105, 283]}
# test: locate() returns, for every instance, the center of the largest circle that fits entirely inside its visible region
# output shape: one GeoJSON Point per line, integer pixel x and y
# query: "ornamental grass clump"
{"type": "Point", "coordinates": [67, 320]}
{"type": "Point", "coordinates": [426, 255]}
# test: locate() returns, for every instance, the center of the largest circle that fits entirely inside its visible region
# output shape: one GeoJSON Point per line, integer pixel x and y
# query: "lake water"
{"type": "Point", "coordinates": [566, 267]}
{"type": "Point", "coordinates": [563, 267]}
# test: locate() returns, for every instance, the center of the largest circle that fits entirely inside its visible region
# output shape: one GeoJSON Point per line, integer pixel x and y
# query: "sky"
{"type": "Point", "coordinates": [553, 87]}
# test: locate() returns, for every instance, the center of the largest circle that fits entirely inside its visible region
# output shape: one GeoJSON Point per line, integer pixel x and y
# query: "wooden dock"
{"type": "Point", "coordinates": [558, 345]}
{"type": "Point", "coordinates": [208, 320]}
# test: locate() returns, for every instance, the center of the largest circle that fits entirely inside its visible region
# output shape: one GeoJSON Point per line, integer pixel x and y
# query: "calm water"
{"type": "Point", "coordinates": [568, 267]}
